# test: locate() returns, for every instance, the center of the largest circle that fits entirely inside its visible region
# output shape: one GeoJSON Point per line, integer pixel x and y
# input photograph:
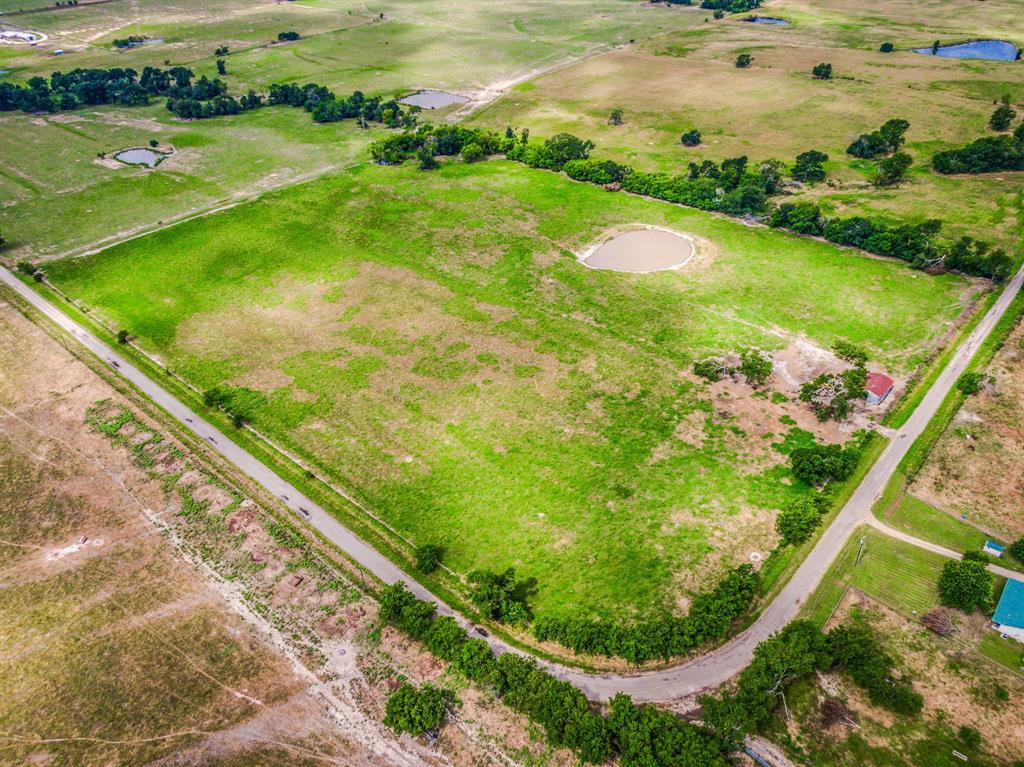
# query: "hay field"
{"type": "Point", "coordinates": [430, 342]}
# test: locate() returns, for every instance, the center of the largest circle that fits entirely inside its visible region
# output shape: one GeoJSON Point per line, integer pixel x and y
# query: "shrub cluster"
{"type": "Point", "coordinates": [888, 138]}
{"type": "Point", "coordinates": [856, 650]}
{"type": "Point", "coordinates": [732, 6]}
{"type": "Point", "coordinates": [641, 736]}
{"type": "Point", "coordinates": [801, 517]}
{"type": "Point", "coordinates": [710, 616]}
{"type": "Point", "coordinates": [65, 91]}
{"type": "Point", "coordinates": [414, 711]}
{"type": "Point", "coordinates": [820, 464]}
{"type": "Point", "coordinates": [986, 155]}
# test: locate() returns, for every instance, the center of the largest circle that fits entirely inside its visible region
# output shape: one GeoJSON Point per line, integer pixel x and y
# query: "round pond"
{"type": "Point", "coordinates": [993, 50]}
{"type": "Point", "coordinates": [146, 157]}
{"type": "Point", "coordinates": [642, 250]}
{"type": "Point", "coordinates": [433, 99]}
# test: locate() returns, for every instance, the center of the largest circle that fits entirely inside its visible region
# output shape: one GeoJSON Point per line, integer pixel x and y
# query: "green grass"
{"type": "Point", "coordinates": [427, 341]}
{"type": "Point", "coordinates": [897, 574]}
{"type": "Point", "coordinates": [1006, 652]}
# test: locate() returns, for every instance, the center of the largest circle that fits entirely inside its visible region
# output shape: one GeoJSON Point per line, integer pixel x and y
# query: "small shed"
{"type": "Point", "coordinates": [1009, 616]}
{"type": "Point", "coordinates": [878, 387]}
{"type": "Point", "coordinates": [993, 549]}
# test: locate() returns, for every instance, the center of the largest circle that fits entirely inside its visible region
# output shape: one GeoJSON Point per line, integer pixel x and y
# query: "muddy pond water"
{"type": "Point", "coordinates": [642, 250]}
{"type": "Point", "coordinates": [433, 99]}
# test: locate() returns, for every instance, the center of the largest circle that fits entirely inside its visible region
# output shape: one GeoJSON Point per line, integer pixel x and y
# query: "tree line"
{"type": "Point", "coordinates": [711, 615]}
{"type": "Point", "coordinates": [733, 186]}
{"type": "Point", "coordinates": [640, 736]}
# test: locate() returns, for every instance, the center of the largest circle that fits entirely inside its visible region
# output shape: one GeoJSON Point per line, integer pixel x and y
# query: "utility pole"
{"type": "Point", "coordinates": [860, 551]}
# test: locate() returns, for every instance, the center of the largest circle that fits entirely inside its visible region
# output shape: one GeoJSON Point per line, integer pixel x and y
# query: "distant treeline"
{"type": "Point", "coordinates": [732, 186]}
{"type": "Point", "coordinates": [190, 98]}
{"type": "Point", "coordinates": [986, 155]}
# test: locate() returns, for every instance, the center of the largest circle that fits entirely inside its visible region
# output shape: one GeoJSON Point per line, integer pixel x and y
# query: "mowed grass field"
{"type": "Point", "coordinates": [429, 341]}
{"type": "Point", "coordinates": [775, 109]}
{"type": "Point", "coordinates": [56, 198]}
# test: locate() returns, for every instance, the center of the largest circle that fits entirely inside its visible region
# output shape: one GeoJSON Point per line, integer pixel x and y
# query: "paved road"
{"type": "Point", "coordinates": [686, 679]}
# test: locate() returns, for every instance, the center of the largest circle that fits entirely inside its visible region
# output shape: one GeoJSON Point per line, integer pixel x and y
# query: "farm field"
{"type": "Point", "coordinates": [56, 196]}
{"type": "Point", "coordinates": [429, 342]}
{"type": "Point", "coordinates": [776, 110]}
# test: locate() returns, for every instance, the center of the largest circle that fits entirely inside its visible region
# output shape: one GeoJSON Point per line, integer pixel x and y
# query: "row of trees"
{"type": "Point", "coordinates": [917, 244]}
{"type": "Point", "coordinates": [710, 617]}
{"type": "Point", "coordinates": [640, 736]}
{"type": "Point", "coordinates": [732, 187]}
{"type": "Point", "coordinates": [797, 652]}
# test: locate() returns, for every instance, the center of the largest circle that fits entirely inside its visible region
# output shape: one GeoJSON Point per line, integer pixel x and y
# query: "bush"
{"type": "Point", "coordinates": [710, 616]}
{"type": "Point", "coordinates": [499, 596]}
{"type": "Point", "coordinates": [472, 153]}
{"type": "Point", "coordinates": [970, 383]}
{"type": "Point", "coordinates": [822, 71]}
{"type": "Point", "coordinates": [428, 557]}
{"type": "Point", "coordinates": [893, 170]}
{"type": "Point", "coordinates": [744, 60]}
{"type": "Point", "coordinates": [818, 464]}
{"type": "Point", "coordinates": [1001, 118]}
{"type": "Point", "coordinates": [414, 711]}
{"type": "Point", "coordinates": [287, 36]}
{"type": "Point", "coordinates": [1017, 550]}
{"type": "Point", "coordinates": [970, 737]}
{"type": "Point", "coordinates": [887, 48]}
{"type": "Point", "coordinates": [850, 352]}
{"type": "Point", "coordinates": [122, 337]}
{"type": "Point", "coordinates": [856, 650]}
{"type": "Point", "coordinates": [690, 138]}
{"type": "Point", "coordinates": [756, 366]}
{"type": "Point", "coordinates": [808, 166]}
{"type": "Point", "coordinates": [990, 154]}
{"type": "Point", "coordinates": [967, 585]}
{"type": "Point", "coordinates": [710, 368]}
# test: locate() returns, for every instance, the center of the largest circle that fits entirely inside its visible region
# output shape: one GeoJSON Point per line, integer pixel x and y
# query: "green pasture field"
{"type": "Point", "coordinates": [429, 342]}
{"type": "Point", "coordinates": [61, 197]}
{"type": "Point", "coordinates": [775, 109]}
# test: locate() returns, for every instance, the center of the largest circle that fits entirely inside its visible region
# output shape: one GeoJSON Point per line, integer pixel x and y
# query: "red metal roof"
{"type": "Point", "coordinates": [878, 384]}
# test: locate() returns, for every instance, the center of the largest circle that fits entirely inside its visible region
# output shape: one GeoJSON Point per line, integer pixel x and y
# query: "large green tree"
{"type": "Point", "coordinates": [966, 584]}
{"type": "Point", "coordinates": [414, 711]}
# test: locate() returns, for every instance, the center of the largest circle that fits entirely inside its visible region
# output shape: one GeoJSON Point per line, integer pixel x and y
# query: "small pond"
{"type": "Point", "coordinates": [433, 99]}
{"type": "Point", "coordinates": [146, 157]}
{"type": "Point", "coordinates": [767, 20]}
{"type": "Point", "coordinates": [643, 250]}
{"type": "Point", "coordinates": [993, 50]}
